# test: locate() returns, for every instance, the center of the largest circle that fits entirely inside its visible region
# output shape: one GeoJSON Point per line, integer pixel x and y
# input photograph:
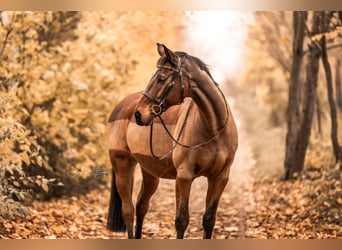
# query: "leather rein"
{"type": "Point", "coordinates": [160, 107]}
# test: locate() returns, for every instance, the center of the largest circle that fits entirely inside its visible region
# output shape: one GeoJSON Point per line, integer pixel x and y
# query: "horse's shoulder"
{"type": "Point", "coordinates": [125, 108]}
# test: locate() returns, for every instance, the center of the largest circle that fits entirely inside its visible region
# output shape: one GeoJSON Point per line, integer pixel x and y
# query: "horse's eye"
{"type": "Point", "coordinates": [161, 78]}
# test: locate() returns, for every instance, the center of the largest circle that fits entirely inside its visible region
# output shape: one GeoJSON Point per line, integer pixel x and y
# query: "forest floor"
{"type": "Point", "coordinates": [309, 206]}
{"type": "Point", "coordinates": [255, 204]}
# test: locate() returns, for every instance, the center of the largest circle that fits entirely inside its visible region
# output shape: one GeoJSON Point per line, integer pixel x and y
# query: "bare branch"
{"type": "Point", "coordinates": [331, 47]}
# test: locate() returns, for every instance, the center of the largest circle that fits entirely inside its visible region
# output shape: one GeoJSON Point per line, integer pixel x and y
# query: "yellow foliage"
{"type": "Point", "coordinates": [61, 73]}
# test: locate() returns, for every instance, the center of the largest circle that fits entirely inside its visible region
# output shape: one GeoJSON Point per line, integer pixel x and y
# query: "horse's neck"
{"type": "Point", "coordinates": [211, 103]}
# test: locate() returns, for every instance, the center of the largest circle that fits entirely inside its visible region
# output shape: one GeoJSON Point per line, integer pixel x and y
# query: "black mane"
{"type": "Point", "coordinates": [196, 60]}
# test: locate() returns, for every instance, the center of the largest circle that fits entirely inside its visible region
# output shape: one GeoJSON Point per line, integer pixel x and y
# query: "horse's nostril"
{"type": "Point", "coordinates": [137, 116]}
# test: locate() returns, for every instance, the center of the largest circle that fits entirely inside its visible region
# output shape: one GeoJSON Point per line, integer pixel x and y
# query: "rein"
{"type": "Point", "coordinates": [169, 134]}
{"type": "Point", "coordinates": [159, 108]}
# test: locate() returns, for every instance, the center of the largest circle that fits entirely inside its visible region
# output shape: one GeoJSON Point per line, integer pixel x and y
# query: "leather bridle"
{"type": "Point", "coordinates": [159, 106]}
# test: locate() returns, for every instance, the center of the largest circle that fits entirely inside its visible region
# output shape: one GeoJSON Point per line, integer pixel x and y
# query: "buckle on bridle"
{"type": "Point", "coordinates": [157, 110]}
{"type": "Point", "coordinates": [159, 107]}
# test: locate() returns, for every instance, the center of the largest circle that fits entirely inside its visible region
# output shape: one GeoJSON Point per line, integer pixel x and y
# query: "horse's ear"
{"type": "Point", "coordinates": [164, 51]}
{"type": "Point", "coordinates": [160, 48]}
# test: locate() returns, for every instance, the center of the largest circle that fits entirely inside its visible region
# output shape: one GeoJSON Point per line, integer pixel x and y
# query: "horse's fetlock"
{"type": "Point", "coordinates": [181, 222]}
{"type": "Point", "coordinates": [208, 221]}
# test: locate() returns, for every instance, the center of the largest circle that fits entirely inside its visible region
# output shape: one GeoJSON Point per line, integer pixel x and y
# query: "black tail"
{"type": "Point", "coordinates": [115, 220]}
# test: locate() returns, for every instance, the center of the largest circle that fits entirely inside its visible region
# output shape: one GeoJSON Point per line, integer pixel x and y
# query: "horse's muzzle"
{"type": "Point", "coordinates": [139, 120]}
{"type": "Point", "coordinates": [137, 116]}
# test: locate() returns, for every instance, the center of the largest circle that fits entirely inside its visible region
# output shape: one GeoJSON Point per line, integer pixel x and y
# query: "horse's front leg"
{"type": "Point", "coordinates": [215, 189]}
{"type": "Point", "coordinates": [183, 186]}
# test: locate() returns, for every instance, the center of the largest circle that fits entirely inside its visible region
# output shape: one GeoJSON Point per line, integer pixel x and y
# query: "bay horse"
{"type": "Point", "coordinates": [181, 127]}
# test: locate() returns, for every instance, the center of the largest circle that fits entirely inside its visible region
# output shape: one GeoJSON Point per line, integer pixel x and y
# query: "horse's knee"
{"type": "Point", "coordinates": [127, 212]}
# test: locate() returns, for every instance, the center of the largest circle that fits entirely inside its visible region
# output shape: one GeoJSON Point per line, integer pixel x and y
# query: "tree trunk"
{"type": "Point", "coordinates": [319, 115]}
{"type": "Point", "coordinates": [301, 141]}
{"type": "Point", "coordinates": [328, 75]}
{"type": "Point", "coordinates": [338, 83]}
{"type": "Point", "coordinates": [293, 111]}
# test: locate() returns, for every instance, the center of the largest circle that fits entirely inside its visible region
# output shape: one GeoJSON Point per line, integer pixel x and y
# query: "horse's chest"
{"type": "Point", "coordinates": [141, 146]}
{"type": "Point", "coordinates": [142, 140]}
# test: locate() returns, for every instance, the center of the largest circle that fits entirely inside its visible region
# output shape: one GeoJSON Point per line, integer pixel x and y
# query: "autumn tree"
{"type": "Point", "coordinates": [293, 110]}
{"type": "Point", "coordinates": [327, 17]}
{"type": "Point", "coordinates": [298, 136]}
{"type": "Point", "coordinates": [60, 72]}
{"type": "Point", "coordinates": [338, 84]}
{"type": "Point", "coordinates": [290, 45]}
{"type": "Point", "coordinates": [269, 41]}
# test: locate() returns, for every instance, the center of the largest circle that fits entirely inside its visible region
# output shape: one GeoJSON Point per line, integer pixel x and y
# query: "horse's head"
{"type": "Point", "coordinates": [166, 88]}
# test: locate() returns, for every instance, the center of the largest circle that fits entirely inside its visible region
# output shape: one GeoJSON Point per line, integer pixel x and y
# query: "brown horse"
{"type": "Point", "coordinates": [180, 127]}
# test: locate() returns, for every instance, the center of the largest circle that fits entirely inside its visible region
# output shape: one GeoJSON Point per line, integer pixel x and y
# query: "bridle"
{"type": "Point", "coordinates": [159, 106]}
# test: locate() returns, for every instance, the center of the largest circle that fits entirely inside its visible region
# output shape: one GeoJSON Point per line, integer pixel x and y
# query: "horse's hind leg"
{"type": "Point", "coordinates": [123, 170]}
{"type": "Point", "coordinates": [148, 188]}
{"type": "Point", "coordinates": [215, 189]}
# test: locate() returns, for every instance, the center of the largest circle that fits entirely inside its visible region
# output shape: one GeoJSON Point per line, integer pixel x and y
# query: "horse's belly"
{"type": "Point", "coordinates": [140, 146]}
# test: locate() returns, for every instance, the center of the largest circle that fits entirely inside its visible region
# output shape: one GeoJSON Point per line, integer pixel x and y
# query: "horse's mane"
{"type": "Point", "coordinates": [196, 60]}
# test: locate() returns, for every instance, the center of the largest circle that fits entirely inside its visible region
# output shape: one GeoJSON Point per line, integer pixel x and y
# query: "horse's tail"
{"type": "Point", "coordinates": [115, 220]}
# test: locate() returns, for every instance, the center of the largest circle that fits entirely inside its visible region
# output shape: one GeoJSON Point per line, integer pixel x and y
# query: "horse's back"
{"type": "Point", "coordinates": [125, 108]}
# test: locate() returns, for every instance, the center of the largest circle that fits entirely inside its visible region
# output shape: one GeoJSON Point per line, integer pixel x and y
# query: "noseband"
{"type": "Point", "coordinates": [159, 106]}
